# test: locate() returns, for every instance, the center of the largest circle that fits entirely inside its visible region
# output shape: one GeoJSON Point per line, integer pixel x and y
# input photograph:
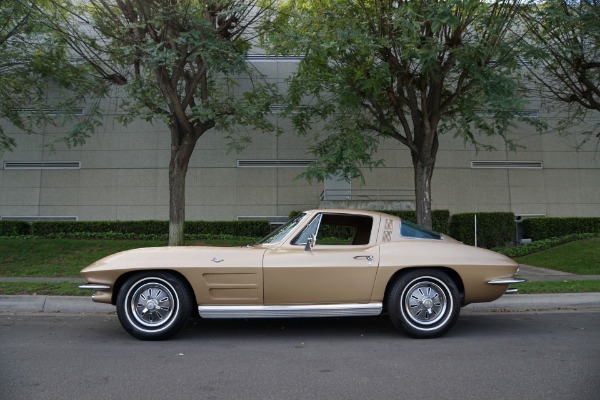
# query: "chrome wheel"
{"type": "Point", "coordinates": [153, 304]}
{"type": "Point", "coordinates": [425, 302]}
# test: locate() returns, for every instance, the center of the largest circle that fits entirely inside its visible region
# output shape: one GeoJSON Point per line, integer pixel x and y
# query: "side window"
{"type": "Point", "coordinates": [344, 229]}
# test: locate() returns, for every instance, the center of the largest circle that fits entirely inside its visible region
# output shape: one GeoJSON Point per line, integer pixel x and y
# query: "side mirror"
{"type": "Point", "coordinates": [310, 243]}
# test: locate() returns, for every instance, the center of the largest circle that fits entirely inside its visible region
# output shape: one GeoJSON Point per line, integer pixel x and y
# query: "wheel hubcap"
{"type": "Point", "coordinates": [152, 304]}
{"type": "Point", "coordinates": [425, 302]}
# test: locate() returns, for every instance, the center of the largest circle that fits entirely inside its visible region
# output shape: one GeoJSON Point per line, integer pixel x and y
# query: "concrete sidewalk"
{"type": "Point", "coordinates": [514, 302]}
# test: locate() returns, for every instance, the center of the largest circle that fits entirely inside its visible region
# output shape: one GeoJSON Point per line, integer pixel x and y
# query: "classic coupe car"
{"type": "Point", "coordinates": [323, 263]}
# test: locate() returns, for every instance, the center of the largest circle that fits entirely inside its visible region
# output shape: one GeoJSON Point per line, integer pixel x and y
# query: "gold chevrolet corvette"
{"type": "Point", "coordinates": [323, 263]}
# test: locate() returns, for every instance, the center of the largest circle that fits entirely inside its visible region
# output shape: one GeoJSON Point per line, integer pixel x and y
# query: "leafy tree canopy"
{"type": "Point", "coordinates": [40, 81]}
{"type": "Point", "coordinates": [178, 61]}
{"type": "Point", "coordinates": [562, 52]}
{"type": "Point", "coordinates": [405, 70]}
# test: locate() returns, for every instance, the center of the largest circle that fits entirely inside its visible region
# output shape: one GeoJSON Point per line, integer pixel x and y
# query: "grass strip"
{"type": "Point", "coordinates": [581, 257]}
{"type": "Point", "coordinates": [42, 289]}
{"type": "Point", "coordinates": [564, 286]}
{"type": "Point", "coordinates": [66, 257]}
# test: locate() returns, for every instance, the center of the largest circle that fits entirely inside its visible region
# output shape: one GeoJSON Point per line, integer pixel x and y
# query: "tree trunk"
{"type": "Point", "coordinates": [423, 174]}
{"type": "Point", "coordinates": [177, 173]}
{"type": "Point", "coordinates": [181, 152]}
{"type": "Point", "coordinates": [423, 163]}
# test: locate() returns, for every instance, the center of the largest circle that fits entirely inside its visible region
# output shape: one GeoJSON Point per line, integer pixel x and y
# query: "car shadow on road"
{"type": "Point", "coordinates": [470, 325]}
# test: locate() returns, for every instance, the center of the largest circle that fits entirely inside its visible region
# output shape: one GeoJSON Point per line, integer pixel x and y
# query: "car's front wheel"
{"type": "Point", "coordinates": [154, 305]}
{"type": "Point", "coordinates": [424, 303]}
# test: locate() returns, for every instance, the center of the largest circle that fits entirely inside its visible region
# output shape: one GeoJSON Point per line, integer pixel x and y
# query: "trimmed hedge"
{"type": "Point", "coordinates": [493, 228]}
{"type": "Point", "coordinates": [14, 228]}
{"type": "Point", "coordinates": [547, 227]}
{"type": "Point", "coordinates": [234, 228]}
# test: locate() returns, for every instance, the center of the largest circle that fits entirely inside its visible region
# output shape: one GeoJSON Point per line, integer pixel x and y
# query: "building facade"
{"type": "Point", "coordinates": [121, 173]}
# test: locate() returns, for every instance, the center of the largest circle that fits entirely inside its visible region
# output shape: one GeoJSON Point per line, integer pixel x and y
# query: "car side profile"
{"type": "Point", "coordinates": [322, 263]}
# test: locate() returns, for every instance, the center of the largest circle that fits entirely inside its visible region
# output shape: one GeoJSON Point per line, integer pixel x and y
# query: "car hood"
{"type": "Point", "coordinates": [175, 258]}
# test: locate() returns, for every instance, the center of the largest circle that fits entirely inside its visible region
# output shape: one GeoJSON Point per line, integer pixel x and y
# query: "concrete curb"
{"type": "Point", "coordinates": [531, 302]}
{"type": "Point", "coordinates": [73, 304]}
{"type": "Point", "coordinates": [509, 303]}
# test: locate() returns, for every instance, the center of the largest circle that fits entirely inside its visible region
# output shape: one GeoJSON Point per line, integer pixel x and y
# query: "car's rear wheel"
{"type": "Point", "coordinates": [424, 303]}
{"type": "Point", "coordinates": [154, 305]}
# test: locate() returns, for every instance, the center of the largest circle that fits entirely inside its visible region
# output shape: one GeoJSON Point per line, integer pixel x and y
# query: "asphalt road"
{"type": "Point", "coordinates": [514, 355]}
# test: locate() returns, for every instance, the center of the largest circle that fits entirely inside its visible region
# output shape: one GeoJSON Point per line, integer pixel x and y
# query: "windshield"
{"type": "Point", "coordinates": [278, 234]}
{"type": "Point", "coordinates": [410, 230]}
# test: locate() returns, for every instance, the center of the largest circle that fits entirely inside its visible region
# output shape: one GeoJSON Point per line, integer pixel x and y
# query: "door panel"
{"type": "Point", "coordinates": [327, 274]}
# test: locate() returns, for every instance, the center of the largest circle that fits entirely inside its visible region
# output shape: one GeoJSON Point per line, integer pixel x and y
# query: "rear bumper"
{"type": "Point", "coordinates": [508, 282]}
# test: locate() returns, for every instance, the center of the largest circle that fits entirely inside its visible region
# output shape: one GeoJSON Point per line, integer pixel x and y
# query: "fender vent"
{"type": "Point", "coordinates": [387, 236]}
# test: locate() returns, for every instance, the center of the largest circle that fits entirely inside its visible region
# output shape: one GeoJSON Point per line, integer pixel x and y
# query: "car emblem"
{"type": "Point", "coordinates": [217, 259]}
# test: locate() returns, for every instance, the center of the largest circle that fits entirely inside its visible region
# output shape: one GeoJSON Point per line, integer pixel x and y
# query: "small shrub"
{"type": "Point", "coordinates": [140, 228]}
{"type": "Point", "coordinates": [14, 228]}
{"type": "Point", "coordinates": [493, 228]}
{"type": "Point", "coordinates": [546, 227]}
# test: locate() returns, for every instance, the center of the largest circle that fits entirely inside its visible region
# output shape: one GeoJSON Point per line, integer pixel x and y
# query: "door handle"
{"type": "Point", "coordinates": [369, 258]}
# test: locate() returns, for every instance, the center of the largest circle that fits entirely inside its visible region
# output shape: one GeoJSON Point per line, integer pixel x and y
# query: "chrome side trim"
{"type": "Point", "coordinates": [293, 311]}
{"type": "Point", "coordinates": [512, 291]}
{"type": "Point", "coordinates": [92, 286]}
{"type": "Point", "coordinates": [507, 281]}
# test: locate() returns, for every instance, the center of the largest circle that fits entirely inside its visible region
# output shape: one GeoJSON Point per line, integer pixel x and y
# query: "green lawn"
{"type": "Point", "coordinates": [564, 286]}
{"type": "Point", "coordinates": [58, 257]}
{"type": "Point", "coordinates": [42, 289]}
{"type": "Point", "coordinates": [66, 257]}
{"type": "Point", "coordinates": [581, 257]}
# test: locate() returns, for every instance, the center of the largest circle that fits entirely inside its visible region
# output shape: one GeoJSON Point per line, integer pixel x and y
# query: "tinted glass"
{"type": "Point", "coordinates": [410, 230]}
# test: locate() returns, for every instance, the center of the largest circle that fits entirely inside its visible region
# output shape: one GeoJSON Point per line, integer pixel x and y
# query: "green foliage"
{"type": "Point", "coordinates": [294, 213]}
{"type": "Point", "coordinates": [148, 229]}
{"type": "Point", "coordinates": [403, 70]}
{"type": "Point", "coordinates": [493, 228]}
{"type": "Point", "coordinates": [42, 289]}
{"type": "Point", "coordinates": [544, 244]}
{"type": "Point", "coordinates": [562, 49]}
{"type": "Point", "coordinates": [580, 257]}
{"type": "Point", "coordinates": [564, 286]}
{"type": "Point", "coordinates": [177, 62]}
{"type": "Point", "coordinates": [14, 228]}
{"type": "Point", "coordinates": [543, 228]}
{"type": "Point", "coordinates": [34, 60]}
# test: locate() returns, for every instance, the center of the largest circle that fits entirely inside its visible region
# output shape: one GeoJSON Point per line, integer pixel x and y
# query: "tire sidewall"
{"type": "Point", "coordinates": [182, 305]}
{"type": "Point", "coordinates": [399, 315]}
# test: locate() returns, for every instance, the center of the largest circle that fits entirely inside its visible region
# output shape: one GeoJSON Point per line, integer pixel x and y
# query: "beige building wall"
{"type": "Point", "coordinates": [124, 174]}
